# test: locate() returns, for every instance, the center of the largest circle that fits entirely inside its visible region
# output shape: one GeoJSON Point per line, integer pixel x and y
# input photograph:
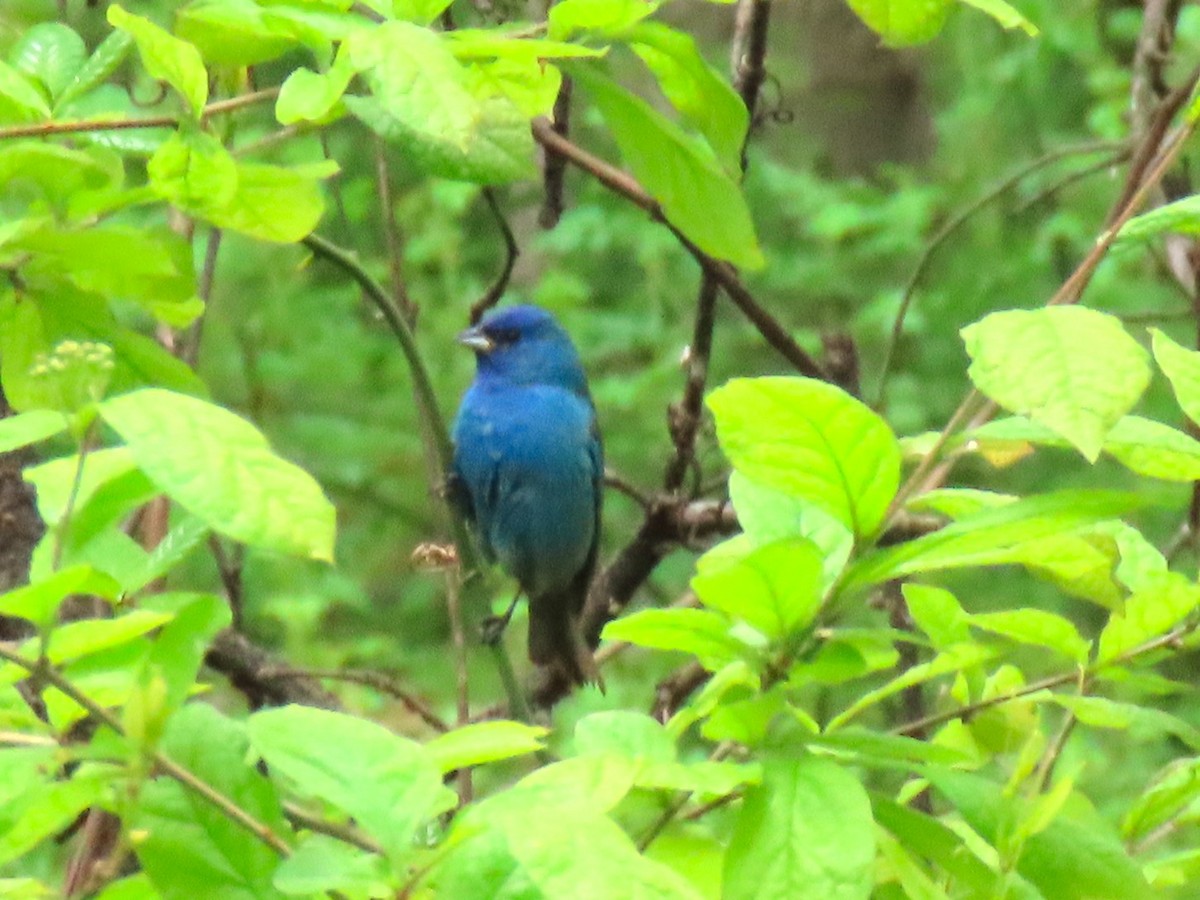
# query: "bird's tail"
{"type": "Point", "coordinates": [555, 640]}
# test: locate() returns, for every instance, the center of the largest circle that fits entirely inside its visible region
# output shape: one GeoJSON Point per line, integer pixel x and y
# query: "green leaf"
{"type": "Point", "coordinates": [951, 660]}
{"type": "Point", "coordinates": [19, 94]}
{"type": "Point", "coordinates": [602, 18]}
{"type": "Point", "coordinates": [50, 52]}
{"type": "Point", "coordinates": [678, 170]}
{"type": "Point", "coordinates": [1153, 449]}
{"type": "Point", "coordinates": [1179, 217]}
{"type": "Point", "coordinates": [1182, 368]}
{"type": "Point", "coordinates": [185, 844]}
{"type": "Point", "coordinates": [806, 832]}
{"type": "Point", "coordinates": [166, 57]}
{"type": "Point", "coordinates": [928, 837]}
{"type": "Point", "coordinates": [1153, 610]}
{"type": "Point", "coordinates": [31, 427]}
{"type": "Point", "coordinates": [181, 645]}
{"type": "Point", "coordinates": [811, 440]}
{"type": "Point", "coordinates": [1005, 14]}
{"type": "Point", "coordinates": [323, 864]}
{"type": "Point", "coordinates": [220, 468]}
{"type": "Point", "coordinates": [937, 612]}
{"type": "Point", "coordinates": [385, 782]}
{"type": "Point", "coordinates": [1172, 790]}
{"type": "Point", "coordinates": [626, 733]}
{"type": "Point", "coordinates": [44, 809]}
{"type": "Point", "coordinates": [1100, 712]}
{"type": "Point", "coordinates": [700, 632]}
{"type": "Point", "coordinates": [767, 515]}
{"type": "Point", "coordinates": [38, 602]}
{"type": "Point", "coordinates": [105, 60]}
{"type": "Point", "coordinates": [701, 94]}
{"type": "Point", "coordinates": [423, 99]}
{"type": "Point", "coordinates": [308, 96]}
{"type": "Point", "coordinates": [1076, 857]}
{"type": "Point", "coordinates": [132, 887]}
{"type": "Point", "coordinates": [272, 203]}
{"type": "Point", "coordinates": [231, 32]}
{"type": "Point", "coordinates": [422, 12]}
{"type": "Point", "coordinates": [484, 742]}
{"type": "Point", "coordinates": [87, 637]}
{"type": "Point", "coordinates": [1070, 368]}
{"type": "Point", "coordinates": [901, 22]}
{"type": "Point", "coordinates": [999, 535]}
{"type": "Point", "coordinates": [1038, 627]}
{"type": "Point", "coordinates": [775, 588]}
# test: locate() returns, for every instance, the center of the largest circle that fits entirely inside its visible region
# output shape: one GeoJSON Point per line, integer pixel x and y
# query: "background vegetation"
{"type": "Point", "coordinates": [954, 663]}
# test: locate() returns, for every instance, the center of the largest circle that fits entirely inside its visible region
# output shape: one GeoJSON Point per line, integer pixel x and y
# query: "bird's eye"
{"type": "Point", "coordinates": [504, 336]}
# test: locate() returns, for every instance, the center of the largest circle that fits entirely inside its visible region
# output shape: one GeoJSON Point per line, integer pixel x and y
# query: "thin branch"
{"type": "Point", "coordinates": [958, 220]}
{"type": "Point", "coordinates": [378, 681]}
{"type": "Point", "coordinates": [220, 107]}
{"type": "Point", "coordinates": [462, 681]}
{"type": "Point", "coordinates": [920, 726]}
{"type": "Point", "coordinates": [554, 165]}
{"type": "Point", "coordinates": [347, 834]}
{"type": "Point", "coordinates": [627, 186]}
{"type": "Point", "coordinates": [391, 231]}
{"type": "Point", "coordinates": [497, 288]}
{"type": "Point", "coordinates": [162, 763]}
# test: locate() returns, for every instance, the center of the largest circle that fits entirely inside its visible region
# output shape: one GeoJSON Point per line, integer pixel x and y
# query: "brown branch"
{"type": "Point", "coordinates": [45, 129]}
{"type": "Point", "coordinates": [391, 231]}
{"type": "Point", "coordinates": [620, 182]}
{"type": "Point", "coordinates": [497, 288]}
{"type": "Point", "coordinates": [252, 671]}
{"type": "Point", "coordinates": [554, 165]}
{"type": "Point", "coordinates": [378, 681]}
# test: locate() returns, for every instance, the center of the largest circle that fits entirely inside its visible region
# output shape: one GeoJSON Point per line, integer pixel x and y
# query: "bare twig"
{"type": "Point", "coordinates": [391, 232]}
{"type": "Point", "coordinates": [497, 288]}
{"type": "Point", "coordinates": [44, 129]}
{"type": "Point", "coordinates": [379, 681]}
{"type": "Point", "coordinates": [554, 165]}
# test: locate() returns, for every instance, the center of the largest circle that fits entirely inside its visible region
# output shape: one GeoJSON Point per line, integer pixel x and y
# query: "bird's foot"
{"type": "Point", "coordinates": [491, 631]}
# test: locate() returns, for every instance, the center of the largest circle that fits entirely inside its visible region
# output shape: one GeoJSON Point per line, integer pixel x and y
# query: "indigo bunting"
{"type": "Point", "coordinates": [528, 470]}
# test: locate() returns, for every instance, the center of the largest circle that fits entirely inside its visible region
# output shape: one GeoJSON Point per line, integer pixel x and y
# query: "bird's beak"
{"type": "Point", "coordinates": [475, 339]}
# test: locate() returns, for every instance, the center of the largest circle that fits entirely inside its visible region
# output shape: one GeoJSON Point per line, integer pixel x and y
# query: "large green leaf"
{"type": "Point", "coordinates": [221, 468]}
{"type": "Point", "coordinates": [186, 845]}
{"type": "Point", "coordinates": [105, 60]}
{"type": "Point", "coordinates": [1180, 216]}
{"type": "Point", "coordinates": [166, 57]}
{"type": "Point", "coordinates": [702, 95]}
{"type": "Point", "coordinates": [483, 742]}
{"type": "Point", "coordinates": [422, 98]}
{"type": "Point", "coordinates": [901, 22]}
{"type": "Point", "coordinates": [701, 632]}
{"type": "Point", "coordinates": [19, 98]}
{"type": "Point", "coordinates": [1075, 857]}
{"type": "Point", "coordinates": [231, 32]}
{"type": "Point", "coordinates": [1070, 368]}
{"type": "Point", "coordinates": [602, 18]}
{"type": "Point", "coordinates": [43, 808]}
{"type": "Point", "coordinates": [805, 832]}
{"type": "Point", "coordinates": [1152, 610]}
{"type": "Point", "coordinates": [388, 784]}
{"type": "Point", "coordinates": [1182, 368]}
{"type": "Point", "coordinates": [50, 52]}
{"type": "Point", "coordinates": [1004, 13]}
{"type": "Point", "coordinates": [1003, 534]}
{"type": "Point", "coordinates": [812, 440]}
{"type": "Point", "coordinates": [272, 203]}
{"type": "Point", "coordinates": [776, 587]}
{"type": "Point", "coordinates": [678, 170]}
{"type": "Point", "coordinates": [1038, 627]}
{"type": "Point", "coordinates": [29, 428]}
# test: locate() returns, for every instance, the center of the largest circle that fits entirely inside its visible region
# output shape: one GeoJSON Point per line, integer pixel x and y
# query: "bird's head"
{"type": "Point", "coordinates": [525, 345]}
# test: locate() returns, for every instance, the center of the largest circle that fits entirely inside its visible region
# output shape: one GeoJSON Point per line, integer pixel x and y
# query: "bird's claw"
{"type": "Point", "coordinates": [491, 630]}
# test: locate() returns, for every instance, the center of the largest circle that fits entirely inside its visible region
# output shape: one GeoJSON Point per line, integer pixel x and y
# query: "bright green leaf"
{"type": "Point", "coordinates": [50, 52]}
{"type": "Point", "coordinates": [1038, 627]}
{"type": "Point", "coordinates": [1004, 13]}
{"type": "Point", "coordinates": [484, 742]}
{"type": "Point", "coordinates": [678, 170]}
{"type": "Point", "coordinates": [776, 588]}
{"type": "Point", "coordinates": [1153, 610]}
{"type": "Point", "coordinates": [805, 832]}
{"type": "Point", "coordinates": [901, 22]}
{"type": "Point", "coordinates": [1182, 368]}
{"type": "Point", "coordinates": [30, 427]}
{"type": "Point", "coordinates": [812, 440]}
{"type": "Point", "coordinates": [230, 32]}
{"type": "Point", "coordinates": [166, 57]}
{"type": "Point", "coordinates": [938, 613]}
{"type": "Point", "coordinates": [602, 18]}
{"type": "Point", "coordinates": [385, 782]}
{"type": "Point", "coordinates": [220, 467]}
{"type": "Point", "coordinates": [1070, 368]}
{"type": "Point", "coordinates": [700, 632]}
{"type": "Point", "coordinates": [187, 846]}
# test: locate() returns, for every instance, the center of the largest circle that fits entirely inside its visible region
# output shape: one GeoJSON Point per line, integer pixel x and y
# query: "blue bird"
{"type": "Point", "coordinates": [528, 472]}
